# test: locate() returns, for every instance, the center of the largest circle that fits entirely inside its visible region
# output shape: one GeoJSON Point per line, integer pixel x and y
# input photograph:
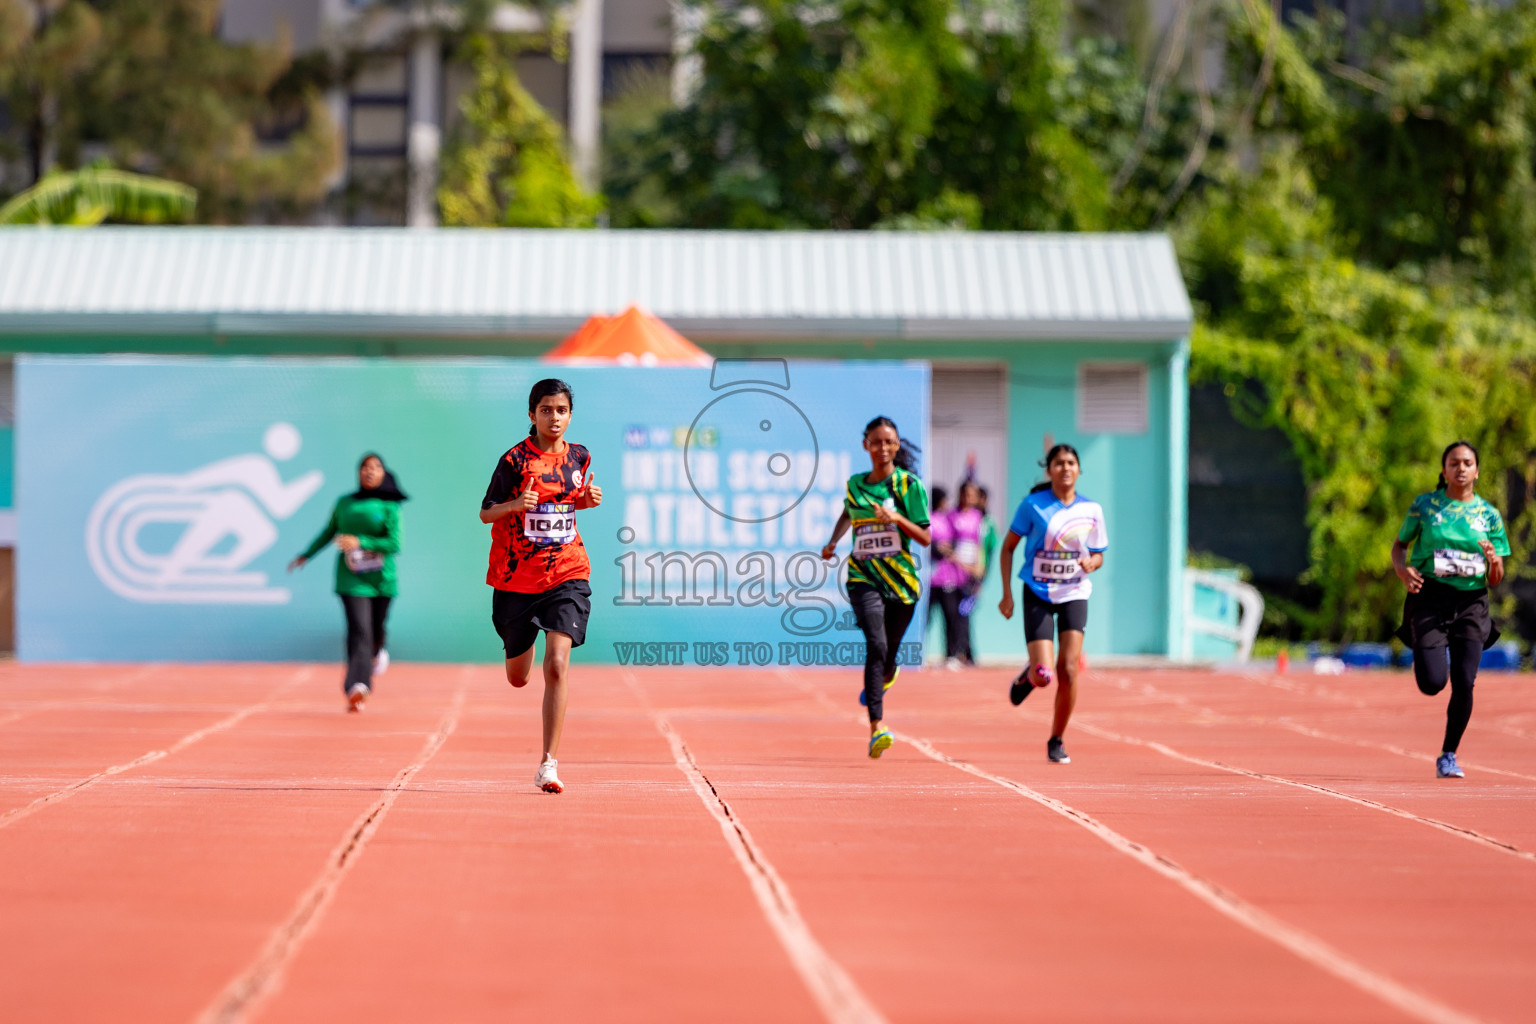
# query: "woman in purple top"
{"type": "Point", "coordinates": [959, 571]}
{"type": "Point", "coordinates": [938, 525]}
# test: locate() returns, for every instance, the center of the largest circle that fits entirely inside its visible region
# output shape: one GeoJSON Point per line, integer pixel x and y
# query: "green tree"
{"type": "Point", "coordinates": [96, 194]}
{"type": "Point", "coordinates": [863, 113]}
{"type": "Point", "coordinates": [152, 83]}
{"type": "Point", "coordinates": [1369, 373]}
{"type": "Point", "coordinates": [45, 45]}
{"type": "Point", "coordinates": [506, 166]}
{"type": "Point", "coordinates": [1421, 138]}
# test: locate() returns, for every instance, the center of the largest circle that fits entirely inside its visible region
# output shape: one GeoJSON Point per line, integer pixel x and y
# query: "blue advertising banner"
{"type": "Point", "coordinates": [159, 501]}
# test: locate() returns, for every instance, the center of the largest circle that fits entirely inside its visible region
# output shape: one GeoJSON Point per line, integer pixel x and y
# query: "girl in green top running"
{"type": "Point", "coordinates": [887, 509]}
{"type": "Point", "coordinates": [1450, 550]}
{"type": "Point", "coordinates": [365, 525]}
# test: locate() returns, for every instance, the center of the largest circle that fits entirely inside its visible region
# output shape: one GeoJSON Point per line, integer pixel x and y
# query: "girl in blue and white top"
{"type": "Point", "coordinates": [1064, 540]}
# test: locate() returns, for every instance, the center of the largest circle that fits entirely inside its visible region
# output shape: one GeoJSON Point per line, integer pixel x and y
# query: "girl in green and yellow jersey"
{"type": "Point", "coordinates": [365, 526]}
{"type": "Point", "coordinates": [1450, 550]}
{"type": "Point", "coordinates": [887, 509]}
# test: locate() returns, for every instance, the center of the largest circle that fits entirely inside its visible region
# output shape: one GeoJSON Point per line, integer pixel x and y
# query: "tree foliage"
{"type": "Point", "coordinates": [1370, 376]}
{"type": "Point", "coordinates": [507, 166]}
{"type": "Point", "coordinates": [90, 196]}
{"type": "Point", "coordinates": [865, 113]}
{"type": "Point", "coordinates": [1364, 286]}
{"type": "Point", "coordinates": [1422, 141]}
{"type": "Point", "coordinates": [152, 83]}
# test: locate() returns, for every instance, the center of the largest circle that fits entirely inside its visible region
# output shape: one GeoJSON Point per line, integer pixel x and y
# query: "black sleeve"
{"type": "Point", "coordinates": [504, 483]}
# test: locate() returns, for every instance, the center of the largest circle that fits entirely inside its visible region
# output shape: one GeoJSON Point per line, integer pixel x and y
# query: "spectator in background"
{"type": "Point", "coordinates": [938, 528]}
{"type": "Point", "coordinates": [957, 576]}
{"type": "Point", "coordinates": [988, 549]}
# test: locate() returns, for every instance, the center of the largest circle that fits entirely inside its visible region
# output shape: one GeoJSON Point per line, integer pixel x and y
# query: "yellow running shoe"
{"type": "Point", "coordinates": [880, 742]}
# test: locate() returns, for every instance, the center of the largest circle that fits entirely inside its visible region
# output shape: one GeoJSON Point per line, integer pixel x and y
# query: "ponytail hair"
{"type": "Point", "coordinates": [1476, 459]}
{"type": "Point", "coordinates": [543, 389]}
{"type": "Point", "coordinates": [906, 454]}
{"type": "Point", "coordinates": [1045, 464]}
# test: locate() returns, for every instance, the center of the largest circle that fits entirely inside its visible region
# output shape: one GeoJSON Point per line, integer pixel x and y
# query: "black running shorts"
{"type": "Point", "coordinates": [1038, 615]}
{"type": "Point", "coordinates": [1440, 613]}
{"type": "Point", "coordinates": [561, 609]}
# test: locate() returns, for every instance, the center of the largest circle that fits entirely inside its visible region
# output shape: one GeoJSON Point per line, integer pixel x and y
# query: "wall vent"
{"type": "Point", "coordinates": [1112, 398]}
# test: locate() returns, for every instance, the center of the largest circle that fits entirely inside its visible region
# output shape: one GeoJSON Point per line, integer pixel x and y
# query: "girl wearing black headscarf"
{"type": "Point", "coordinates": [365, 525]}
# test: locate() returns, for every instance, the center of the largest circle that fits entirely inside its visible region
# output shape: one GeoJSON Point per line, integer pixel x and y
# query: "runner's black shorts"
{"type": "Point", "coordinates": [1440, 613]}
{"type": "Point", "coordinates": [1038, 615]}
{"type": "Point", "coordinates": [563, 608]}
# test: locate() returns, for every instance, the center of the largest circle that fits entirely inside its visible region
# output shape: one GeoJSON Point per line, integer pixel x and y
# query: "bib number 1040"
{"type": "Point", "coordinates": [550, 522]}
{"type": "Point", "coordinates": [1058, 567]}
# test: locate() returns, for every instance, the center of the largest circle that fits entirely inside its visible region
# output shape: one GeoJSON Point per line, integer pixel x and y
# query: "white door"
{"type": "Point", "coordinates": [970, 432]}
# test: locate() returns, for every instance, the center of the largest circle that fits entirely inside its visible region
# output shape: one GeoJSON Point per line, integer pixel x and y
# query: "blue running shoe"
{"type": "Point", "coordinates": [1447, 768]}
{"type": "Point", "coordinates": [864, 697]}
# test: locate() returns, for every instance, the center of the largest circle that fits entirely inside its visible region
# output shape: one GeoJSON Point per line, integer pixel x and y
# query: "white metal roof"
{"type": "Point", "coordinates": [515, 283]}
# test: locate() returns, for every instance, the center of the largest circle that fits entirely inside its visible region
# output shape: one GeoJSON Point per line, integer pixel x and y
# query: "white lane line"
{"type": "Point", "coordinates": [837, 995]}
{"type": "Point", "coordinates": [14, 815]}
{"type": "Point", "coordinates": [1304, 945]}
{"type": "Point", "coordinates": [1456, 830]}
{"type": "Point", "coordinates": [1339, 698]}
{"type": "Point", "coordinates": [1148, 690]}
{"type": "Point", "coordinates": [1419, 756]}
{"type": "Point", "coordinates": [249, 992]}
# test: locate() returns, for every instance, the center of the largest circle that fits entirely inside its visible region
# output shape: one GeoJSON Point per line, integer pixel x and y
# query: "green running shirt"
{"type": "Point", "coordinates": [882, 554]}
{"type": "Point", "coordinates": [1443, 535]}
{"type": "Point", "coordinates": [376, 525]}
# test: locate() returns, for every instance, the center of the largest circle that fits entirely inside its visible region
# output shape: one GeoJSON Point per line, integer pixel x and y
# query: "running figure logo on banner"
{"type": "Point", "coordinates": [210, 524]}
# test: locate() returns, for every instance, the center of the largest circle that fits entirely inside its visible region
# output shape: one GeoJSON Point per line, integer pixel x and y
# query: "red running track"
{"type": "Point", "coordinates": [224, 844]}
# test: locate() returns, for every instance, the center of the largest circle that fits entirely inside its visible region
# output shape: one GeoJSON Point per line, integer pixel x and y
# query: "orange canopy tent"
{"type": "Point", "coordinates": [633, 338]}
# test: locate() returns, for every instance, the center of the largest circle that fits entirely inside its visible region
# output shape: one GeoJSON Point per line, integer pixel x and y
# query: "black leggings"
{"type": "Point", "coordinates": [884, 622]}
{"type": "Point", "coordinates": [365, 637]}
{"type": "Point", "coordinates": [1432, 670]}
{"type": "Point", "coordinates": [957, 627]}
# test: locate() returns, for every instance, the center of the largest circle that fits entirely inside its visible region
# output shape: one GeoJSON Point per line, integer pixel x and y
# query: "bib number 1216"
{"type": "Point", "coordinates": [877, 540]}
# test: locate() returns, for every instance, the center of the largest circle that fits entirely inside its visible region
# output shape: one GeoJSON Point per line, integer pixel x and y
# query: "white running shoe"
{"type": "Point", "coordinates": [381, 662]}
{"type": "Point", "coordinates": [356, 694]}
{"type": "Point", "coordinates": [547, 779]}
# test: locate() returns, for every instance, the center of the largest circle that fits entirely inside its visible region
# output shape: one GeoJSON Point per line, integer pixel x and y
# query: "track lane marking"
{"type": "Point", "coordinates": [263, 977]}
{"type": "Point", "coordinates": [1302, 944]}
{"type": "Point", "coordinates": [16, 814]}
{"type": "Point", "coordinates": [839, 997]}
{"type": "Point", "coordinates": [1492, 724]}
{"type": "Point", "coordinates": [1149, 690]}
{"type": "Point", "coordinates": [1459, 831]}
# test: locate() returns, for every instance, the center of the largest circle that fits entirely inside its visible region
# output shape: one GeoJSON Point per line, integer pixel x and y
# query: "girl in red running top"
{"type": "Point", "coordinates": [538, 565]}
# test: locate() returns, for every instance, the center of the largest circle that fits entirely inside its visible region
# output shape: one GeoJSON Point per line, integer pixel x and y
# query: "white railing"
{"type": "Point", "coordinates": [1250, 605]}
